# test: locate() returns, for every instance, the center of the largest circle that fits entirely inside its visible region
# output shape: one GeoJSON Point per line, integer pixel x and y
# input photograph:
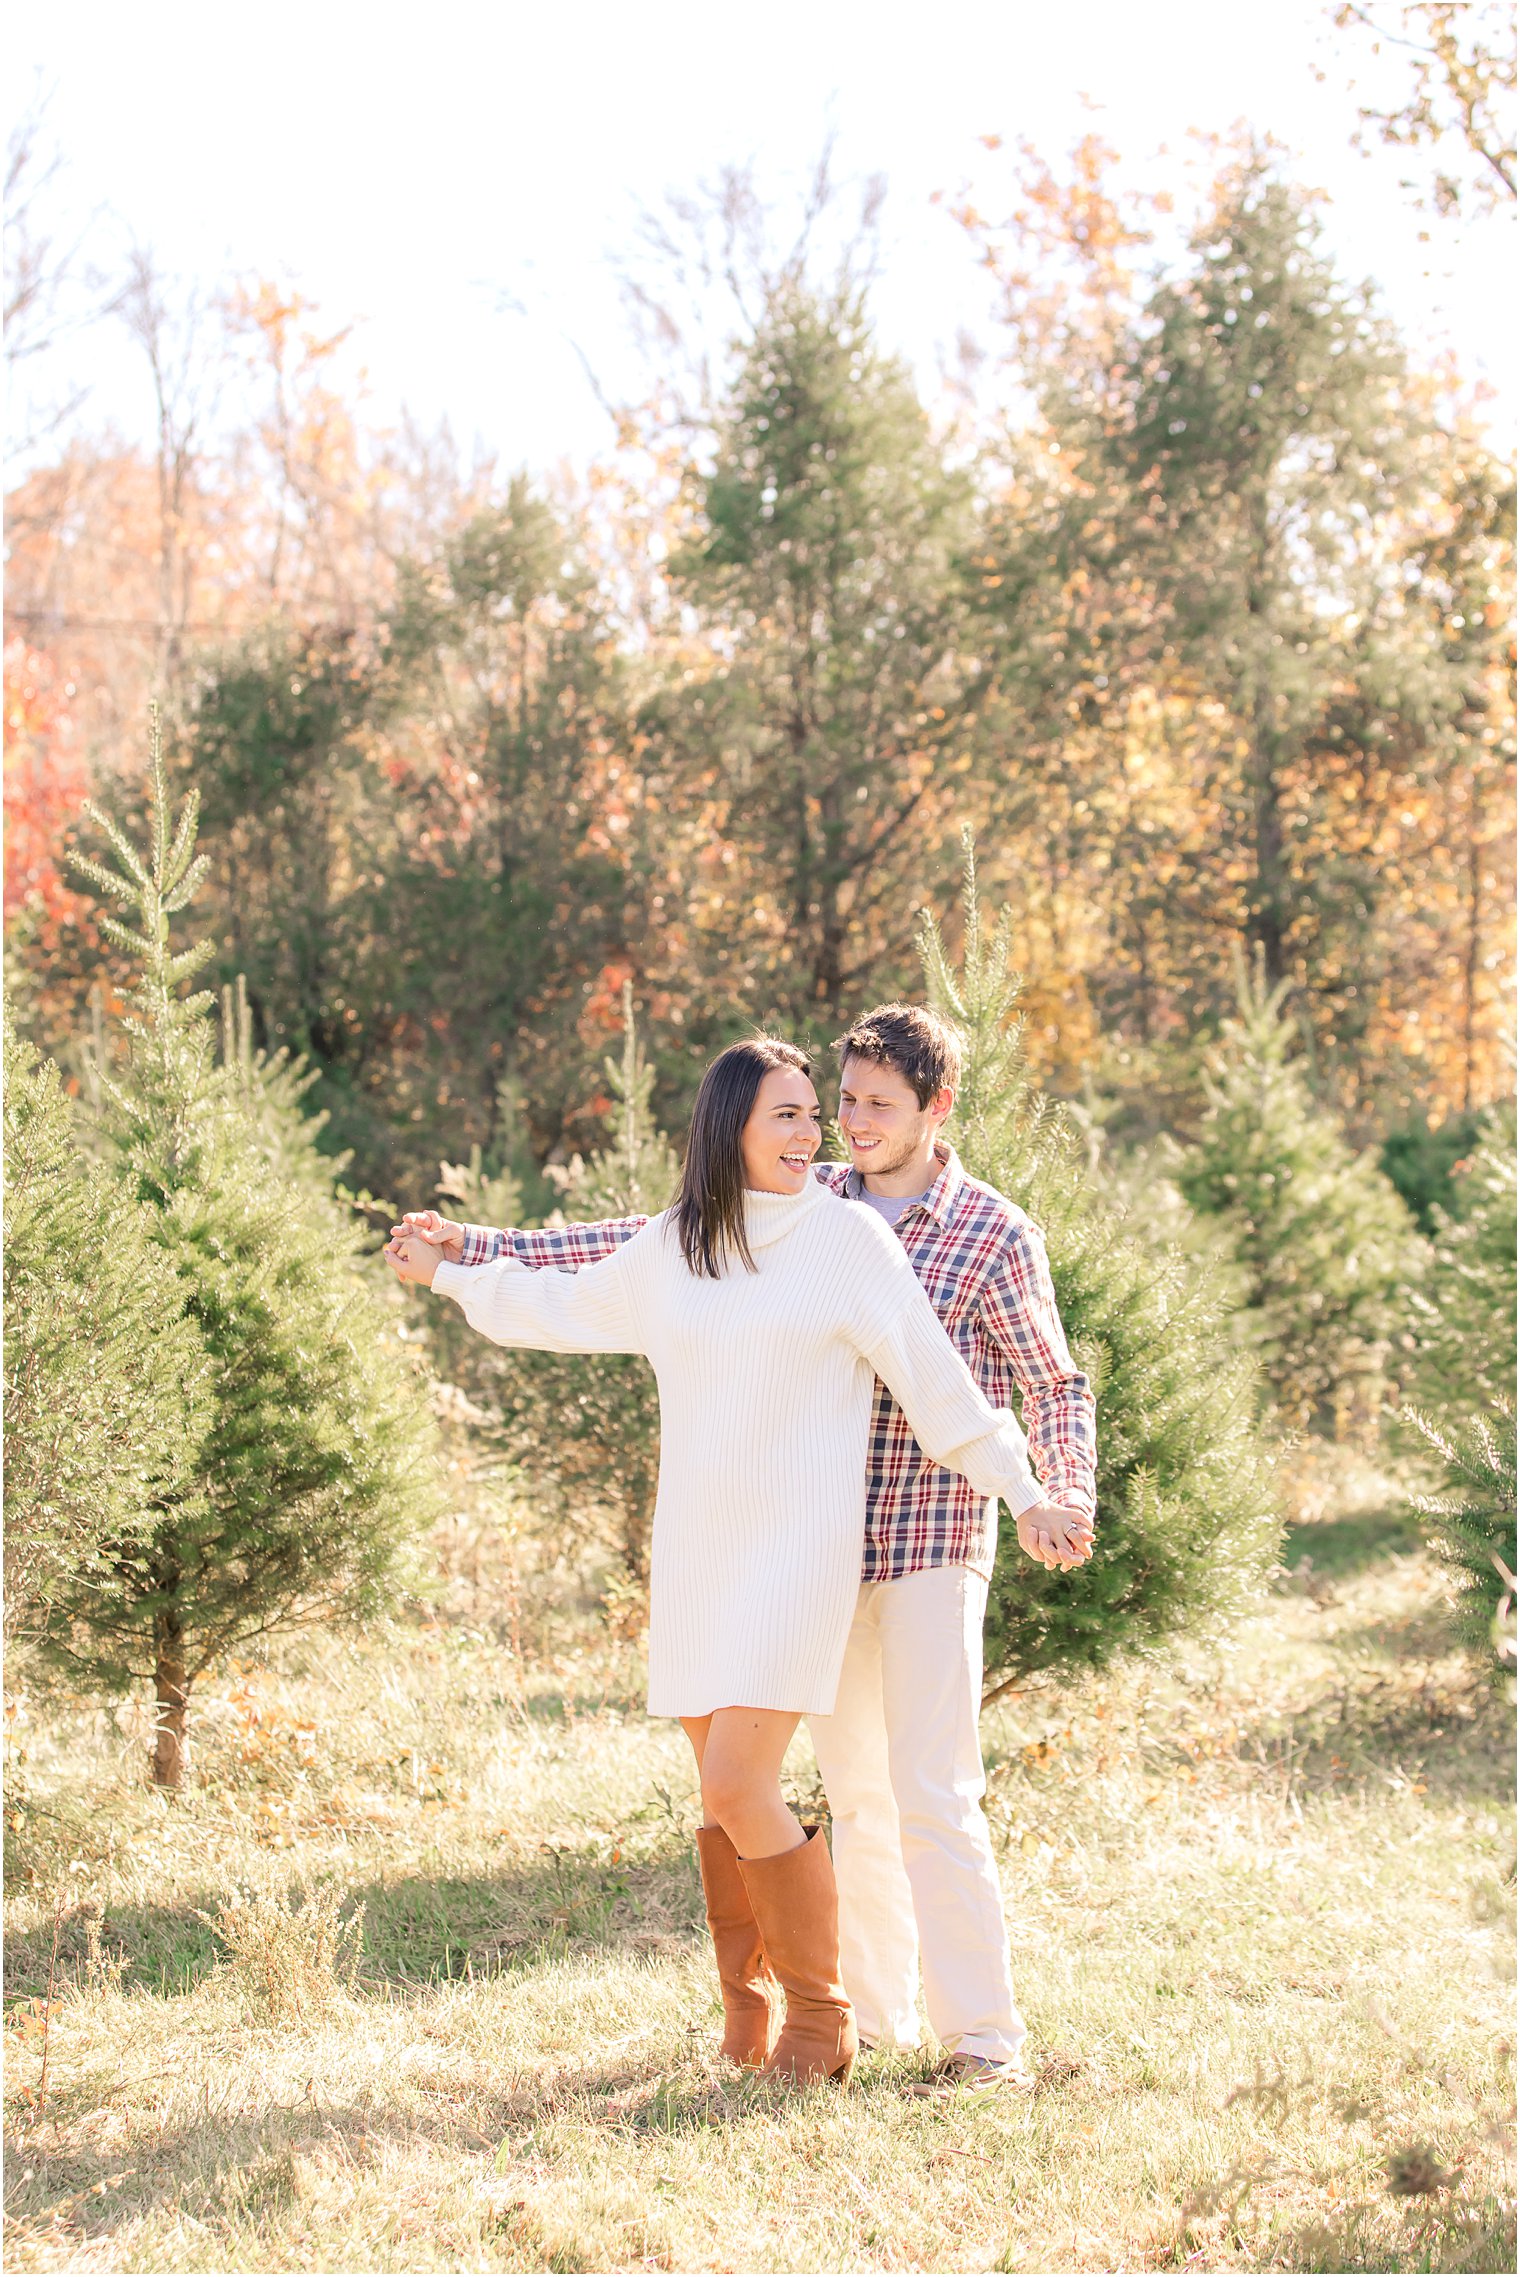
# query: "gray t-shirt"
{"type": "Point", "coordinates": [891, 1206]}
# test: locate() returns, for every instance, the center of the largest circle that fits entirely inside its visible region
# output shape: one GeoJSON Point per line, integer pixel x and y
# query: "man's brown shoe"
{"type": "Point", "coordinates": [753, 2003]}
{"type": "Point", "coordinates": [972, 2075]}
{"type": "Point", "coordinates": [797, 1907]}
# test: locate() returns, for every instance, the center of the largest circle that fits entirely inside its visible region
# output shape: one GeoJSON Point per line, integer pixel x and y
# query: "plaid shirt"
{"type": "Point", "coordinates": [982, 1265]}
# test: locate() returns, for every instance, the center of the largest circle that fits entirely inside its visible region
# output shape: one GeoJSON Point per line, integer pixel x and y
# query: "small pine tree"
{"type": "Point", "coordinates": [1463, 1309]}
{"type": "Point", "coordinates": [1185, 1520]}
{"type": "Point", "coordinates": [588, 1425]}
{"type": "Point", "coordinates": [1475, 1518]}
{"type": "Point", "coordinates": [1325, 1249]}
{"type": "Point", "coordinates": [297, 1499]}
{"type": "Point", "coordinates": [1463, 1315]}
{"type": "Point", "coordinates": [636, 1173]}
{"type": "Point", "coordinates": [271, 1089]}
{"type": "Point", "coordinates": [104, 1377]}
{"type": "Point", "coordinates": [1423, 1162]}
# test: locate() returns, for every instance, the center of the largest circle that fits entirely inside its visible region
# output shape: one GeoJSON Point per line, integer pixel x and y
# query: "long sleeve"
{"type": "Point", "coordinates": [589, 1311]}
{"type": "Point", "coordinates": [1018, 1311]}
{"type": "Point", "coordinates": [566, 1247]}
{"type": "Point", "coordinates": [949, 1417]}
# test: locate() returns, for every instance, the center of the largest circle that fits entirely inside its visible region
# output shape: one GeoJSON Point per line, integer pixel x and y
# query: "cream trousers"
{"type": "Point", "coordinates": [902, 1768]}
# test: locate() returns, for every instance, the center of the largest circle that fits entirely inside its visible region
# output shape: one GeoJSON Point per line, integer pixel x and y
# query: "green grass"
{"type": "Point", "coordinates": [1260, 1905]}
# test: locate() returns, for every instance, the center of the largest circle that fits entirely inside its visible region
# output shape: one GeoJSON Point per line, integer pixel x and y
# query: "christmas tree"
{"type": "Point", "coordinates": [1475, 1518]}
{"type": "Point", "coordinates": [587, 1426]}
{"type": "Point", "coordinates": [1325, 1249]}
{"type": "Point", "coordinates": [1185, 1520]}
{"type": "Point", "coordinates": [1463, 1309]}
{"type": "Point", "coordinates": [104, 1377]}
{"type": "Point", "coordinates": [1463, 1415]}
{"type": "Point", "coordinates": [296, 1499]}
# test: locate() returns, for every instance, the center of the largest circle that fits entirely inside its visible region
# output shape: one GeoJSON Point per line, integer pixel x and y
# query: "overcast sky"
{"type": "Point", "coordinates": [456, 178]}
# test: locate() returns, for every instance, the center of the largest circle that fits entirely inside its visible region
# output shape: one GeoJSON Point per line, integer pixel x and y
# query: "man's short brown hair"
{"type": "Point", "coordinates": [924, 1049]}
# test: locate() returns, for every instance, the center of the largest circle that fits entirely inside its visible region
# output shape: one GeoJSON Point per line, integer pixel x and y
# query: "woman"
{"type": "Point", "coordinates": [767, 1307]}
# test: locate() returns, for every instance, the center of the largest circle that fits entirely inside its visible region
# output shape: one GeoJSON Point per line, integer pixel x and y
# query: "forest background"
{"type": "Point", "coordinates": [1188, 595]}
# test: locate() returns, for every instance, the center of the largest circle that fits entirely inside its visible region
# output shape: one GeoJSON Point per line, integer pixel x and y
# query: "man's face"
{"type": "Point", "coordinates": [881, 1118]}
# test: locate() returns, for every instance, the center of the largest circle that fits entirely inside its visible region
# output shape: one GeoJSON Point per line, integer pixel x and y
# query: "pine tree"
{"type": "Point", "coordinates": [588, 1425]}
{"type": "Point", "coordinates": [1475, 1518]}
{"type": "Point", "coordinates": [826, 526]}
{"type": "Point", "coordinates": [104, 1377]}
{"type": "Point", "coordinates": [1185, 1523]}
{"type": "Point", "coordinates": [295, 1502]}
{"type": "Point", "coordinates": [612, 1406]}
{"type": "Point", "coordinates": [1464, 1305]}
{"type": "Point", "coordinates": [1463, 1314]}
{"type": "Point", "coordinates": [1225, 714]}
{"type": "Point", "coordinates": [1325, 1249]}
{"type": "Point", "coordinates": [1422, 1159]}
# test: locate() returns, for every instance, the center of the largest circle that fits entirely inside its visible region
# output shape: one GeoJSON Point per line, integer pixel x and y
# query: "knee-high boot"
{"type": "Point", "coordinates": [797, 1907]}
{"type": "Point", "coordinates": [752, 2002]}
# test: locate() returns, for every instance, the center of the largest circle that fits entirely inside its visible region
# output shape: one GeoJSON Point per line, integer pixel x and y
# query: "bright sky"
{"type": "Point", "coordinates": [456, 177]}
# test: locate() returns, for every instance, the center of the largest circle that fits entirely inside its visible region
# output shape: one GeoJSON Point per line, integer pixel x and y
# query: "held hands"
{"type": "Point", "coordinates": [412, 1259]}
{"type": "Point", "coordinates": [420, 1243]}
{"type": "Point", "coordinates": [1053, 1536]}
{"type": "Point", "coordinates": [441, 1233]}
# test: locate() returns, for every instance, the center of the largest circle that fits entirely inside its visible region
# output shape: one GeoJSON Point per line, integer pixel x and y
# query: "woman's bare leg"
{"type": "Point", "coordinates": [786, 1932]}
{"type": "Point", "coordinates": [696, 1729]}
{"type": "Point", "coordinates": [739, 1753]}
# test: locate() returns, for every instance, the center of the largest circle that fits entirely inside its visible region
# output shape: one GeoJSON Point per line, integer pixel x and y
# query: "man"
{"type": "Point", "coordinates": [900, 1755]}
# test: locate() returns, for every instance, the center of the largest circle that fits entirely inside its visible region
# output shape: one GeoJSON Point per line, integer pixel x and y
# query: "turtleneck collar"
{"type": "Point", "coordinates": [768, 1217]}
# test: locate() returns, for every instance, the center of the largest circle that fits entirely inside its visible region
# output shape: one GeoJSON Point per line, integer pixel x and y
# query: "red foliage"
{"type": "Point", "coordinates": [46, 783]}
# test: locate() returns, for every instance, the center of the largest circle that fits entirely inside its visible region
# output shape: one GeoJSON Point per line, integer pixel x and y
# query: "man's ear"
{"type": "Point", "coordinates": [941, 1104]}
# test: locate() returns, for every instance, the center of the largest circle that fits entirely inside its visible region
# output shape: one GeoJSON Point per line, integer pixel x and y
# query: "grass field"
{"type": "Point", "coordinates": [1261, 1906]}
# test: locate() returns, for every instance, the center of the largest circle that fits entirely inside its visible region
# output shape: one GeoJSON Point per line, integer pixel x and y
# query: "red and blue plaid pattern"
{"type": "Point", "coordinates": [983, 1267]}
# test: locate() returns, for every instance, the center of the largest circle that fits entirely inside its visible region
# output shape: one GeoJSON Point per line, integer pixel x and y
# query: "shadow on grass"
{"type": "Point", "coordinates": [418, 1929]}
{"type": "Point", "coordinates": [221, 2170]}
{"type": "Point", "coordinates": [1450, 2231]}
{"type": "Point", "coordinates": [1455, 1741]}
{"type": "Point", "coordinates": [1338, 1548]}
{"type": "Point", "coordinates": [564, 1708]}
{"type": "Point", "coordinates": [165, 1948]}
{"type": "Point", "coordinates": [231, 2168]}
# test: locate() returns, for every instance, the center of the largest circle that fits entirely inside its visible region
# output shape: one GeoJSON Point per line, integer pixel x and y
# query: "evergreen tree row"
{"type": "Point", "coordinates": [210, 1431]}
{"type": "Point", "coordinates": [1206, 629]}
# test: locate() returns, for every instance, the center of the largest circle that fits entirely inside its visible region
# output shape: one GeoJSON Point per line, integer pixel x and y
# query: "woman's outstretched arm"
{"type": "Point", "coordinates": [589, 1311]}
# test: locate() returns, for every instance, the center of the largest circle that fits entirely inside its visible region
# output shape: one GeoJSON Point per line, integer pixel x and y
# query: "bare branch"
{"type": "Point", "coordinates": [52, 293]}
{"type": "Point", "coordinates": [1460, 92]}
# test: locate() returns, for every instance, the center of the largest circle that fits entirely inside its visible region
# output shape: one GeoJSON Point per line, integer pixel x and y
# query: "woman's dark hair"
{"type": "Point", "coordinates": [709, 1211]}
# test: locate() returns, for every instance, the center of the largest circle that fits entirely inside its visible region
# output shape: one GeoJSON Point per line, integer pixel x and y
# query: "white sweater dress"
{"type": "Point", "coordinates": [766, 1382]}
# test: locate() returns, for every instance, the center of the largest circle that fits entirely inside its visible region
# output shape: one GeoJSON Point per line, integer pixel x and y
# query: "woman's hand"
{"type": "Point", "coordinates": [413, 1259]}
{"type": "Point", "coordinates": [1053, 1536]}
{"type": "Point", "coordinates": [427, 1225]}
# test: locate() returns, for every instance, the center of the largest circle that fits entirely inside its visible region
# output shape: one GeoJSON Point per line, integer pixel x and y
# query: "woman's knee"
{"type": "Point", "coordinates": [728, 1787]}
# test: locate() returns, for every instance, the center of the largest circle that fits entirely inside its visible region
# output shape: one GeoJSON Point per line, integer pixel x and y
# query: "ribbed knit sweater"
{"type": "Point", "coordinates": [766, 1382]}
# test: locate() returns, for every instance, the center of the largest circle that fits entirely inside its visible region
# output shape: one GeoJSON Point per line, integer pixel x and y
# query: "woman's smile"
{"type": "Point", "coordinates": [782, 1135]}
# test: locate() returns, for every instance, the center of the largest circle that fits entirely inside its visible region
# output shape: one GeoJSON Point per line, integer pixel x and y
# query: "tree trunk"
{"type": "Point", "coordinates": [1267, 924]}
{"type": "Point", "coordinates": [171, 1688]}
{"type": "Point", "coordinates": [1473, 949]}
{"type": "Point", "coordinates": [1143, 971]}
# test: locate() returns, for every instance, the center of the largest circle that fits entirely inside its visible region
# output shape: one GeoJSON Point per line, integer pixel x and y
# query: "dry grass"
{"type": "Point", "coordinates": [1260, 1905]}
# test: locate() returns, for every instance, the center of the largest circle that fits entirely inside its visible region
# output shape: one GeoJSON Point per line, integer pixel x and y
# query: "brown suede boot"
{"type": "Point", "coordinates": [797, 1907]}
{"type": "Point", "coordinates": [752, 1999]}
